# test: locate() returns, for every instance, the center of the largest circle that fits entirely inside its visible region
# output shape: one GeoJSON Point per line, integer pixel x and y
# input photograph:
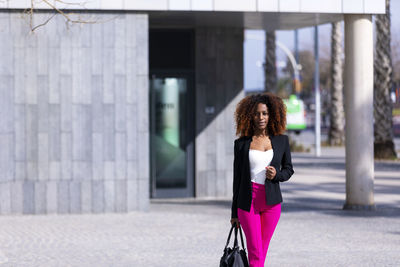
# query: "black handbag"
{"type": "Point", "coordinates": [234, 257]}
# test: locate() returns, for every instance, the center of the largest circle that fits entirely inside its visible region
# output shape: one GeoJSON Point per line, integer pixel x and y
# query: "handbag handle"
{"type": "Point", "coordinates": [229, 237]}
{"type": "Point", "coordinates": [235, 242]}
{"type": "Point", "coordinates": [241, 237]}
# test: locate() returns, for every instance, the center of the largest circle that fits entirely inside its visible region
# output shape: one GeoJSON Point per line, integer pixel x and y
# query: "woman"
{"type": "Point", "coordinates": [262, 160]}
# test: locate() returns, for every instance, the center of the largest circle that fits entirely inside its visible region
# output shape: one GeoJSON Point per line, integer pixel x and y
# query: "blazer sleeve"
{"type": "Point", "coordinates": [236, 180]}
{"type": "Point", "coordinates": [286, 170]}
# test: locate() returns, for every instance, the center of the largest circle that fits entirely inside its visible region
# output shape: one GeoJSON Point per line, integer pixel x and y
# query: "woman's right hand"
{"type": "Point", "coordinates": [235, 221]}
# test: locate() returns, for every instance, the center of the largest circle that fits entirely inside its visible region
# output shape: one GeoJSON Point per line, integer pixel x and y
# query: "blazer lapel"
{"type": "Point", "coordinates": [247, 147]}
{"type": "Point", "coordinates": [274, 146]}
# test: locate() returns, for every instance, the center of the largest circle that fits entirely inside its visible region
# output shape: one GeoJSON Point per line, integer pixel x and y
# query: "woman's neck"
{"type": "Point", "coordinates": [260, 133]}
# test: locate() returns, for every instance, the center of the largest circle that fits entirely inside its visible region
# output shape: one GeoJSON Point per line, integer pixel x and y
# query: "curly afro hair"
{"type": "Point", "coordinates": [247, 107]}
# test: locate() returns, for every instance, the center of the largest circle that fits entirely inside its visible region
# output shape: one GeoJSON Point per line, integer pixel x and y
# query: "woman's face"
{"type": "Point", "coordinates": [261, 116]}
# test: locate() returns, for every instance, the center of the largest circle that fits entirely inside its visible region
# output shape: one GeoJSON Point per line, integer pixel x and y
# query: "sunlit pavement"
{"type": "Point", "coordinates": [313, 229]}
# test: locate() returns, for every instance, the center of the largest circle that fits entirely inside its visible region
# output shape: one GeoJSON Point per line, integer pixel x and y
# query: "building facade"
{"type": "Point", "coordinates": [102, 117]}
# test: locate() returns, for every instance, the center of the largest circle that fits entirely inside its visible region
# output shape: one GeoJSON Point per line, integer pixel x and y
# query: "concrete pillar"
{"type": "Point", "coordinates": [359, 112]}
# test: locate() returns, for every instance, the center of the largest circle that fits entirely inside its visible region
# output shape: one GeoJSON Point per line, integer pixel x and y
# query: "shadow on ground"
{"type": "Point", "coordinates": [301, 204]}
{"type": "Point", "coordinates": [324, 194]}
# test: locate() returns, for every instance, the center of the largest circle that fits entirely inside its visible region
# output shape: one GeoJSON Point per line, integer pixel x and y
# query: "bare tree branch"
{"type": "Point", "coordinates": [69, 17]}
{"type": "Point", "coordinates": [42, 24]}
{"type": "Point", "coordinates": [65, 15]}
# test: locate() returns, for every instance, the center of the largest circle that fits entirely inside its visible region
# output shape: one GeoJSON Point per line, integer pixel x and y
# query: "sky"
{"type": "Point", "coordinates": [254, 51]}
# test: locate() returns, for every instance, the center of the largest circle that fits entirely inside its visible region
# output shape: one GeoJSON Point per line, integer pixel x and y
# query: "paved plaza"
{"type": "Point", "coordinates": [313, 229]}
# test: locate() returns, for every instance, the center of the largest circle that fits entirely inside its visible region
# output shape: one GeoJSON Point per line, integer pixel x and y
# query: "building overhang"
{"type": "Point", "coordinates": [250, 14]}
{"type": "Point", "coordinates": [247, 20]}
{"type": "Point", "coordinates": [281, 6]}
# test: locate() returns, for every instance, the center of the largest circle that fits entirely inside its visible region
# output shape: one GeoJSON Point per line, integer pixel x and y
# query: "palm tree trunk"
{"type": "Point", "coordinates": [383, 82]}
{"type": "Point", "coordinates": [336, 129]}
{"type": "Point", "coordinates": [270, 63]}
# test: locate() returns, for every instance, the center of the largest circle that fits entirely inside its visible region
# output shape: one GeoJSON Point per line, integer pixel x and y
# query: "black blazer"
{"type": "Point", "coordinates": [242, 189]}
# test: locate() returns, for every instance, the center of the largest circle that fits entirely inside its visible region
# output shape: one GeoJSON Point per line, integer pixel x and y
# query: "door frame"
{"type": "Point", "coordinates": [190, 131]}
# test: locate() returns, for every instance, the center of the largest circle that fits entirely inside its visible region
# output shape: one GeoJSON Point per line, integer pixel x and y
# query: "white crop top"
{"type": "Point", "coordinates": [258, 161]}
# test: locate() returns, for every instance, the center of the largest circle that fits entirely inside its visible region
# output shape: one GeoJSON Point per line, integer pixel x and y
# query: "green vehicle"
{"type": "Point", "coordinates": [295, 115]}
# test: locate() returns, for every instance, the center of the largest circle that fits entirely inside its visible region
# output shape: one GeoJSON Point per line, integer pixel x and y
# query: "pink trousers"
{"type": "Point", "coordinates": [259, 225]}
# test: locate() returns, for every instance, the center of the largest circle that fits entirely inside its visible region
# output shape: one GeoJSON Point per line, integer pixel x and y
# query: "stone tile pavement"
{"type": "Point", "coordinates": [313, 229]}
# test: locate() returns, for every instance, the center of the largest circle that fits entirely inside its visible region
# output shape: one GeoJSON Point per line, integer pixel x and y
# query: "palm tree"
{"type": "Point", "coordinates": [270, 65]}
{"type": "Point", "coordinates": [336, 129]}
{"type": "Point", "coordinates": [383, 82]}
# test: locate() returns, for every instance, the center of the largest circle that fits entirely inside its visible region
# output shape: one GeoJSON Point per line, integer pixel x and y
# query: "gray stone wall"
{"type": "Point", "coordinates": [74, 126]}
{"type": "Point", "coordinates": [219, 87]}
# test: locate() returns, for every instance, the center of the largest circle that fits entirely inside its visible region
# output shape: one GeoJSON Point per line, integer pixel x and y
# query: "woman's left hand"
{"type": "Point", "coordinates": [270, 172]}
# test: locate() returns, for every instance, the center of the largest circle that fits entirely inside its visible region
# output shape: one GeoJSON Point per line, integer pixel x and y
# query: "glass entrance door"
{"type": "Point", "coordinates": [171, 145]}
